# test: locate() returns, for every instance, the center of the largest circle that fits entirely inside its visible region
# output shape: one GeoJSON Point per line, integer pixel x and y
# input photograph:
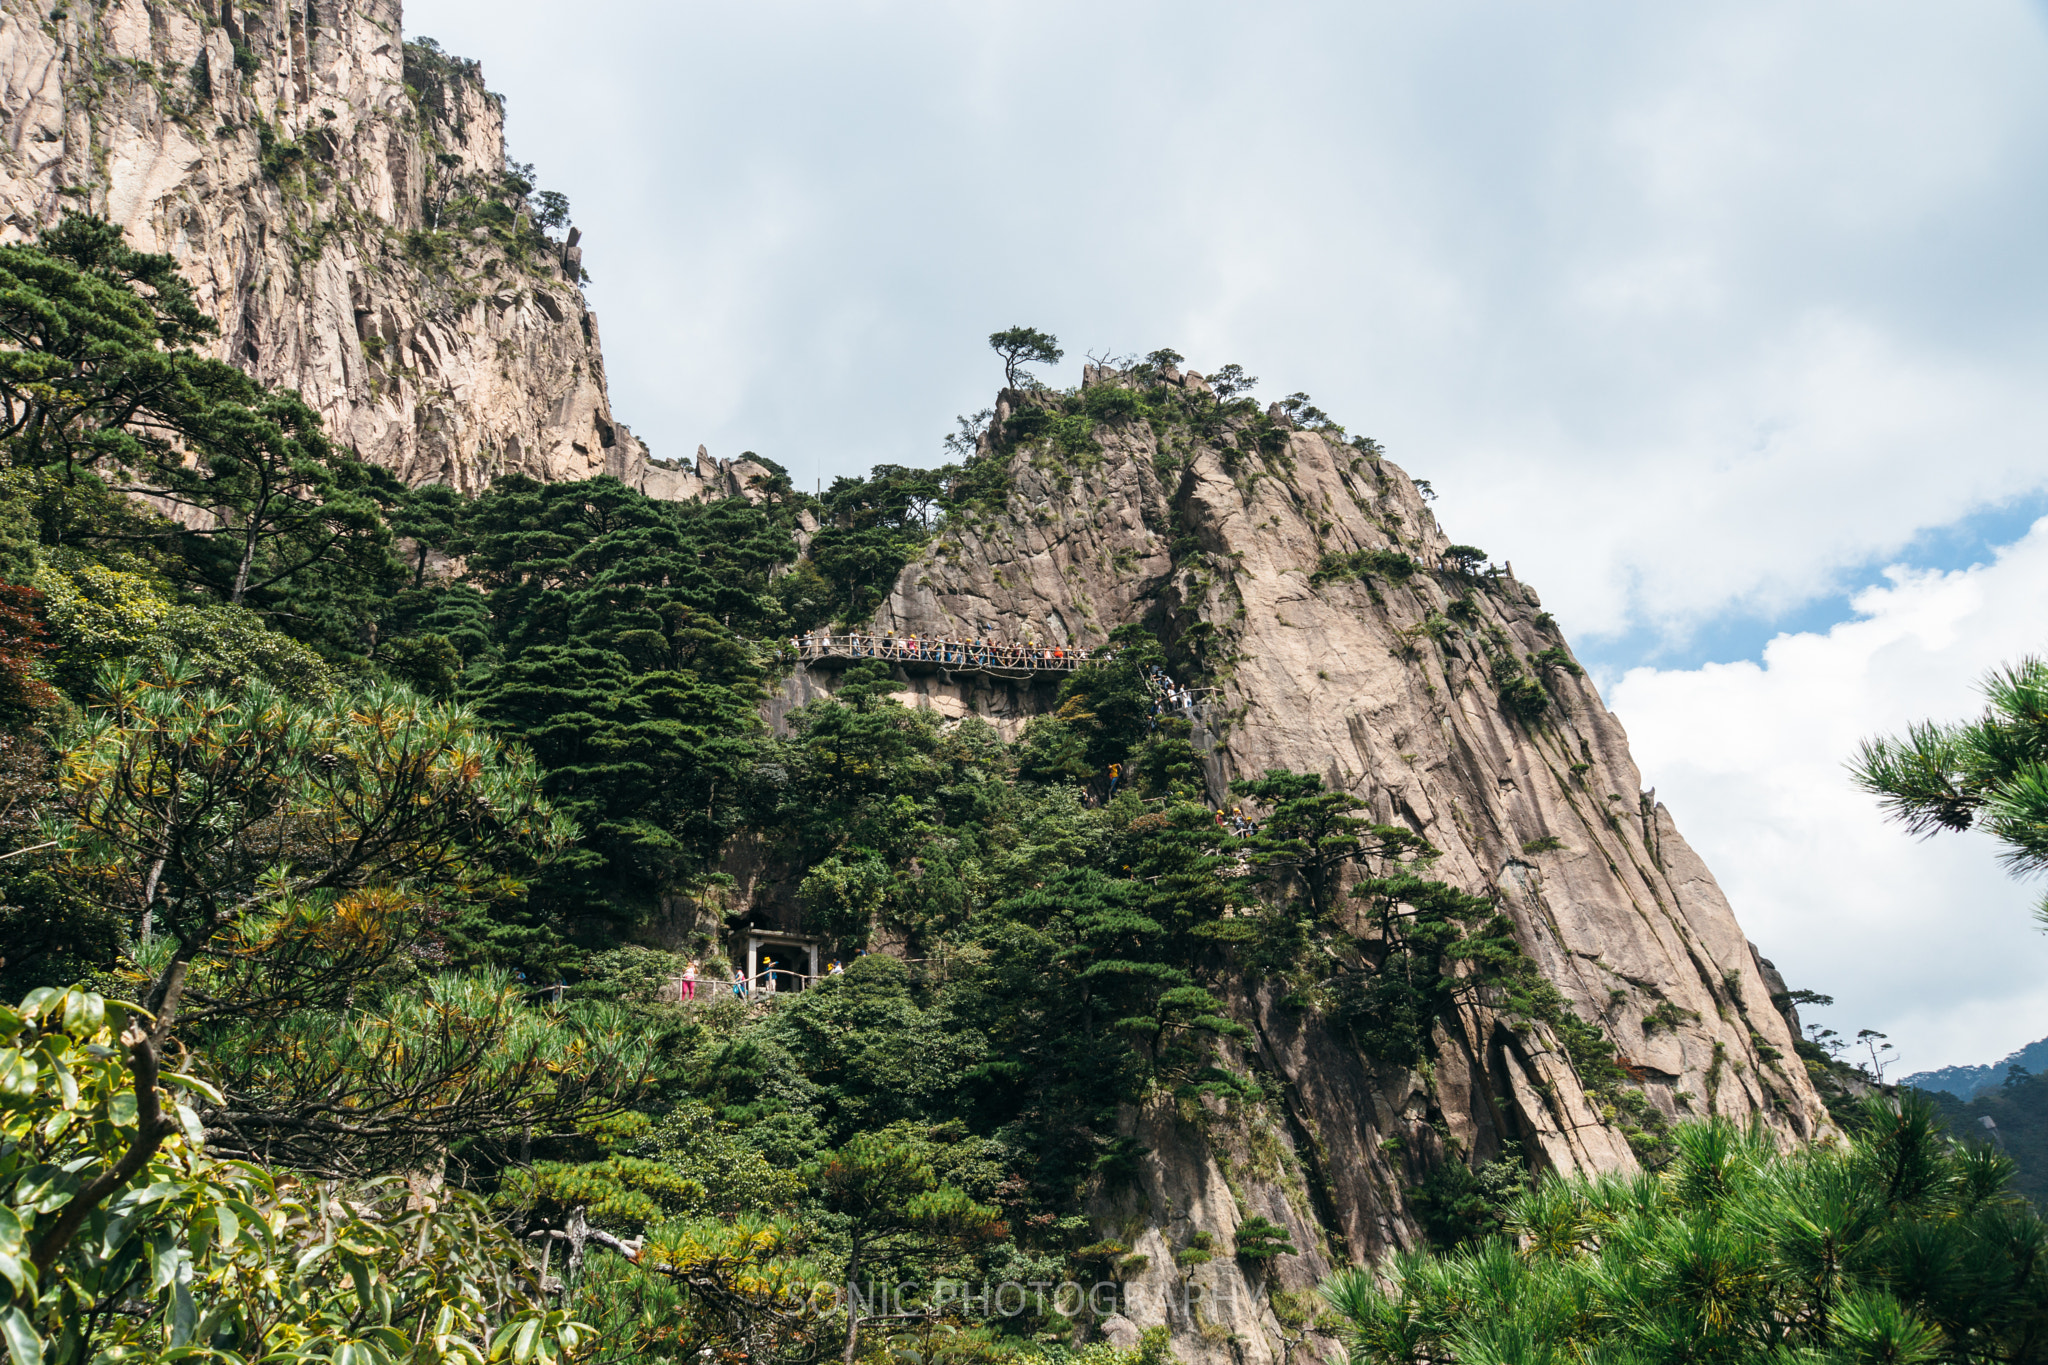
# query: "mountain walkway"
{"type": "Point", "coordinates": [996, 657]}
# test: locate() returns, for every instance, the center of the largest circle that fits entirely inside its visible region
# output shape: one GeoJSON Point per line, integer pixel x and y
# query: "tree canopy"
{"type": "Point", "coordinates": [1899, 1246]}
{"type": "Point", "coordinates": [1989, 773]}
{"type": "Point", "coordinates": [398, 816]}
{"type": "Point", "coordinates": [1021, 346]}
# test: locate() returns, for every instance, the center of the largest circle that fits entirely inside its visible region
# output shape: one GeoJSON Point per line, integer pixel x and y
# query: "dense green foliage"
{"type": "Point", "coordinates": [382, 855]}
{"type": "Point", "coordinates": [102, 391]}
{"type": "Point", "coordinates": [876, 525]}
{"type": "Point", "coordinates": [2018, 1110]}
{"type": "Point", "coordinates": [1898, 1247]}
{"type": "Point", "coordinates": [611, 634]}
{"type": "Point", "coordinates": [187, 1256]}
{"type": "Point", "coordinates": [1990, 773]}
{"type": "Point", "coordinates": [335, 821]}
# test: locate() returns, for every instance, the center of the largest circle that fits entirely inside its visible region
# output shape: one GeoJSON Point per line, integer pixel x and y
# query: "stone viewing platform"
{"type": "Point", "coordinates": [996, 657]}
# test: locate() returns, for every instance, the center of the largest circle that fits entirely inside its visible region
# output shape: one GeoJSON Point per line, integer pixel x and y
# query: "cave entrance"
{"type": "Point", "coordinates": [778, 962]}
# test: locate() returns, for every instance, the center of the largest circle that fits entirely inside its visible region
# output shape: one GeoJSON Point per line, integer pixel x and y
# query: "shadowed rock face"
{"type": "Point", "coordinates": [306, 178]}
{"type": "Point", "coordinates": [1392, 689]}
{"type": "Point", "coordinates": [316, 203]}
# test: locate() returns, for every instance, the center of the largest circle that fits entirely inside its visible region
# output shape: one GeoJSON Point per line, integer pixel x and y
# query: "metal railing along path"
{"type": "Point", "coordinates": [763, 987]}
{"type": "Point", "coordinates": [960, 656]}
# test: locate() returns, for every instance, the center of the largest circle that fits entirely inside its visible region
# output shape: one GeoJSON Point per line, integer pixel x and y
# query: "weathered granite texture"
{"type": "Point", "coordinates": [710, 480]}
{"type": "Point", "coordinates": [1391, 689]}
{"type": "Point", "coordinates": [309, 173]}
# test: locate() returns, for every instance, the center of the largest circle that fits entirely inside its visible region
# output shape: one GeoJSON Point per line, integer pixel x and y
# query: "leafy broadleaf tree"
{"type": "Point", "coordinates": [122, 1238]}
{"type": "Point", "coordinates": [98, 615]}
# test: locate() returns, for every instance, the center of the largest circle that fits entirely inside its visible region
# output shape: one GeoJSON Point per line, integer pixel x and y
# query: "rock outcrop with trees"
{"type": "Point", "coordinates": [417, 809]}
{"type": "Point", "coordinates": [342, 202]}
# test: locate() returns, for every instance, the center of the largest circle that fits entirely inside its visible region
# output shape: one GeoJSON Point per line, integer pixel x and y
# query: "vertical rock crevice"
{"type": "Point", "coordinates": [339, 200]}
{"type": "Point", "coordinates": [1413, 691]}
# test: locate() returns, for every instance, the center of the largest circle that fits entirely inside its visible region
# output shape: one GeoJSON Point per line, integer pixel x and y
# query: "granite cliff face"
{"type": "Point", "coordinates": [339, 198]}
{"type": "Point", "coordinates": [341, 201]}
{"type": "Point", "coordinates": [1244, 556]}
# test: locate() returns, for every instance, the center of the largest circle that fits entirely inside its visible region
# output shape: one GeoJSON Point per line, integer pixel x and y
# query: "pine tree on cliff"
{"type": "Point", "coordinates": [1990, 773]}
{"type": "Point", "coordinates": [624, 671]}
{"type": "Point", "coordinates": [101, 383]}
{"type": "Point", "coordinates": [1311, 833]}
{"type": "Point", "coordinates": [1021, 346]}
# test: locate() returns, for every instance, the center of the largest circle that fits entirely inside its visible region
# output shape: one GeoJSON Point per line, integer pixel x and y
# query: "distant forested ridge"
{"type": "Point", "coordinates": [2017, 1113]}
{"type": "Point", "coordinates": [1966, 1082]}
{"type": "Point", "coordinates": [2004, 1104]}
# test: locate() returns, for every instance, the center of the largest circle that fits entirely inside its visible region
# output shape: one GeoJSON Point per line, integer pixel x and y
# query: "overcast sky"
{"type": "Point", "coordinates": [1724, 322]}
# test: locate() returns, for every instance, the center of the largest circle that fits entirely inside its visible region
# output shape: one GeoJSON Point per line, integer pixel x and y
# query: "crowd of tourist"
{"type": "Point", "coordinates": [772, 978]}
{"type": "Point", "coordinates": [1168, 695]}
{"type": "Point", "coordinates": [976, 653]}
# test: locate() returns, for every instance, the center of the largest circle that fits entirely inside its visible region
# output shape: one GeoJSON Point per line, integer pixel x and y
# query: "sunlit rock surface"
{"type": "Point", "coordinates": [314, 195]}
{"type": "Point", "coordinates": [1343, 678]}
{"type": "Point", "coordinates": [322, 193]}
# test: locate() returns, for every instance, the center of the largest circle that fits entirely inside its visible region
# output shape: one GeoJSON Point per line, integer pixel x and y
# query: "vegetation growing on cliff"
{"type": "Point", "coordinates": [378, 854]}
{"type": "Point", "coordinates": [1898, 1247]}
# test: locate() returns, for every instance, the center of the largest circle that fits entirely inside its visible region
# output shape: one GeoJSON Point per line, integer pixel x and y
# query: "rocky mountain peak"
{"type": "Point", "coordinates": [1301, 578]}
{"type": "Point", "coordinates": [342, 201]}
{"type": "Point", "coordinates": [344, 205]}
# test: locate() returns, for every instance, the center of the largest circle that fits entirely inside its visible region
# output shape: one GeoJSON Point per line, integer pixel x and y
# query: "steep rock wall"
{"type": "Point", "coordinates": [1391, 689]}
{"type": "Point", "coordinates": [328, 191]}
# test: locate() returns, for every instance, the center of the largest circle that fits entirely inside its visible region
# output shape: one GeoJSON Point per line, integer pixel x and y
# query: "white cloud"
{"type": "Point", "coordinates": [1927, 941]}
{"type": "Point", "coordinates": [1689, 310]}
{"type": "Point", "coordinates": [1678, 305]}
